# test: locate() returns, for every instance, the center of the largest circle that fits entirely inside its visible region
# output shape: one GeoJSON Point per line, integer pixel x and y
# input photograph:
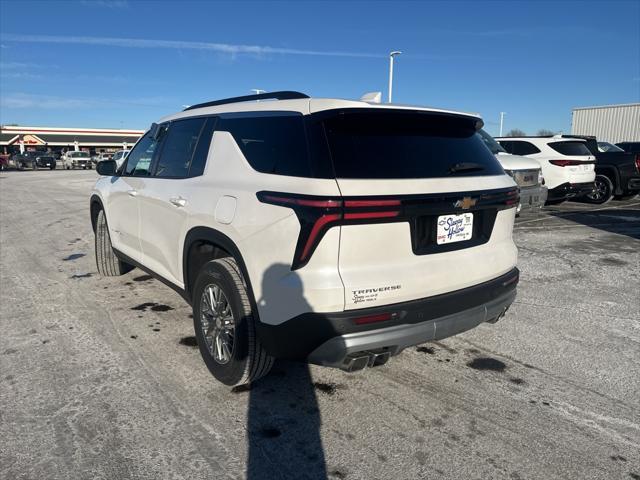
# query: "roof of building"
{"type": "Point", "coordinates": [608, 106]}
{"type": "Point", "coordinates": [12, 135]}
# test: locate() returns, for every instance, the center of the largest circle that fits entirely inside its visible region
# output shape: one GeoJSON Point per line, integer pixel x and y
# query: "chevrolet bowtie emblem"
{"type": "Point", "coordinates": [465, 203]}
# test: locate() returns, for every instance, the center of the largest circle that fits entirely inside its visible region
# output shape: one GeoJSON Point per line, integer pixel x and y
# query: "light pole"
{"type": "Point", "coordinates": [501, 121]}
{"type": "Point", "coordinates": [391, 57]}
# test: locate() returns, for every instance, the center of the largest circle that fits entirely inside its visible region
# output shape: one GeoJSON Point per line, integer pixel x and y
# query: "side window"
{"type": "Point", "coordinates": [271, 143]}
{"type": "Point", "coordinates": [139, 160]}
{"type": "Point", "coordinates": [178, 148]}
{"type": "Point", "coordinates": [524, 148]}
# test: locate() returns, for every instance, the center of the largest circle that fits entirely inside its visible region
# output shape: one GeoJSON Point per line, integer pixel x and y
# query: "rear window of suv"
{"type": "Point", "coordinates": [379, 143]}
{"type": "Point", "coordinates": [571, 148]}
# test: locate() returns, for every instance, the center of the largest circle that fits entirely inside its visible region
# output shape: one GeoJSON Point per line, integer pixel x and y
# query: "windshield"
{"type": "Point", "coordinates": [608, 147]}
{"type": "Point", "coordinates": [80, 154]}
{"type": "Point", "coordinates": [491, 144]}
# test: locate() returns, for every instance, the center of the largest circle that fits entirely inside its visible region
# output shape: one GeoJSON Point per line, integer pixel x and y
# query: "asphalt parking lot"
{"type": "Point", "coordinates": [99, 377]}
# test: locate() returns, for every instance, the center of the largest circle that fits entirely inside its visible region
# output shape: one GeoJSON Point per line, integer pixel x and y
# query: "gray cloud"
{"type": "Point", "coordinates": [46, 102]}
{"type": "Point", "coordinates": [231, 49]}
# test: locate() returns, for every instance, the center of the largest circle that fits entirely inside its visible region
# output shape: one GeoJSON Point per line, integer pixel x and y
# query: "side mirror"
{"type": "Point", "coordinates": [106, 168]}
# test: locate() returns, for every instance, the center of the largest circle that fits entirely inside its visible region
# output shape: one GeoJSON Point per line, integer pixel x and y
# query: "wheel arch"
{"type": "Point", "coordinates": [217, 245]}
{"type": "Point", "coordinates": [95, 205]}
{"type": "Point", "coordinates": [612, 174]}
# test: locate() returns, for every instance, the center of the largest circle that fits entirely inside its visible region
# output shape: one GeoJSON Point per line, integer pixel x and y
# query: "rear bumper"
{"type": "Point", "coordinates": [532, 198]}
{"type": "Point", "coordinates": [570, 190]}
{"type": "Point", "coordinates": [328, 338]}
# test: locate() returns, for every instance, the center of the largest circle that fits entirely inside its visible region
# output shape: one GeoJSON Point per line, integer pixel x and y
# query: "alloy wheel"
{"type": "Point", "coordinates": [600, 190]}
{"type": "Point", "coordinates": [217, 323]}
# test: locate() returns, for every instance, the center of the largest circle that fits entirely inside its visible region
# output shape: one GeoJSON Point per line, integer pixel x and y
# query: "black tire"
{"type": "Point", "coordinates": [248, 360]}
{"type": "Point", "coordinates": [52, 166]}
{"type": "Point", "coordinates": [602, 191]}
{"type": "Point", "coordinates": [108, 264]}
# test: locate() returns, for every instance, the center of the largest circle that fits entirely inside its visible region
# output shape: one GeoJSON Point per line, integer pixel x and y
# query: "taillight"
{"type": "Point", "coordinates": [319, 214]}
{"type": "Point", "coordinates": [569, 163]}
{"type": "Point", "coordinates": [638, 162]}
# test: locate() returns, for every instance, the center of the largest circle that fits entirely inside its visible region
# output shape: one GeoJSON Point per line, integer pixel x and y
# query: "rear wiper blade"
{"type": "Point", "coordinates": [465, 167]}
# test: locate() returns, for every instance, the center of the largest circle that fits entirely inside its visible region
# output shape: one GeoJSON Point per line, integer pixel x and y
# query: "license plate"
{"type": "Point", "coordinates": [454, 228]}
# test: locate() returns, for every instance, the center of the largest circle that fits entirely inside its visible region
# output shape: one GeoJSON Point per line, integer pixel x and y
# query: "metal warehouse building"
{"type": "Point", "coordinates": [609, 123]}
{"type": "Point", "coordinates": [17, 138]}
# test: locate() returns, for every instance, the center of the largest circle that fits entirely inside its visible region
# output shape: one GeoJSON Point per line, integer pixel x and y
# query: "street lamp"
{"type": "Point", "coordinates": [391, 57]}
{"type": "Point", "coordinates": [501, 121]}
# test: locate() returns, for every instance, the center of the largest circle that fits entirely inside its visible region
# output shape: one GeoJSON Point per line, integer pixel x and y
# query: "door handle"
{"type": "Point", "coordinates": [178, 201]}
{"type": "Point", "coordinates": [132, 193]}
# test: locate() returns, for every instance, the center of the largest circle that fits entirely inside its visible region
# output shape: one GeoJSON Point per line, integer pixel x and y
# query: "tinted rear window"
{"type": "Point", "coordinates": [405, 144]}
{"type": "Point", "coordinates": [571, 148]}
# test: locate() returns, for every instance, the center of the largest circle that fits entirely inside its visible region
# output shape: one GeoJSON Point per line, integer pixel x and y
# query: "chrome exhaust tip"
{"type": "Point", "coordinates": [355, 362]}
{"type": "Point", "coordinates": [377, 358]}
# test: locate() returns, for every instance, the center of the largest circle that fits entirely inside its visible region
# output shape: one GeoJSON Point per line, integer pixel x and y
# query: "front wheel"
{"type": "Point", "coordinates": [602, 191]}
{"type": "Point", "coordinates": [108, 264]}
{"type": "Point", "coordinates": [224, 324]}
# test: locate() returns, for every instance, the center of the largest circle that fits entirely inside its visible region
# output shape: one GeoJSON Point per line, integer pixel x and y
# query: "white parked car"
{"type": "Point", "coordinates": [76, 159]}
{"type": "Point", "coordinates": [567, 164]}
{"type": "Point", "coordinates": [119, 157]}
{"type": "Point", "coordinates": [526, 172]}
{"type": "Point", "coordinates": [339, 232]}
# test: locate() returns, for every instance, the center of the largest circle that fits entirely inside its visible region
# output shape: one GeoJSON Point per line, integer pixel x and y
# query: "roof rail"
{"type": "Point", "coordinates": [284, 95]}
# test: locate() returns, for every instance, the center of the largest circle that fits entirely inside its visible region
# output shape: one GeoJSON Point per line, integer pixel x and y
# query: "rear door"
{"type": "Point", "coordinates": [427, 207]}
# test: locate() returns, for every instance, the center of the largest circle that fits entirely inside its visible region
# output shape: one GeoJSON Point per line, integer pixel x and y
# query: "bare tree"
{"type": "Point", "coordinates": [543, 132]}
{"type": "Point", "coordinates": [515, 132]}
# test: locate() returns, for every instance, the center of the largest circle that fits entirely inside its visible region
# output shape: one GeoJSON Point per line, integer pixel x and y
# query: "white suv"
{"type": "Point", "coordinates": [567, 164]}
{"type": "Point", "coordinates": [526, 172]}
{"type": "Point", "coordinates": [79, 159]}
{"type": "Point", "coordinates": [339, 232]}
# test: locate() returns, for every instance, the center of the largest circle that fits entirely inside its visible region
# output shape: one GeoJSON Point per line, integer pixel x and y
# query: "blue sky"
{"type": "Point", "coordinates": [124, 63]}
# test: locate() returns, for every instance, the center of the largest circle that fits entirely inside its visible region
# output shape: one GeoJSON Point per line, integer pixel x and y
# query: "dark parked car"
{"type": "Point", "coordinates": [631, 147]}
{"type": "Point", "coordinates": [617, 171]}
{"type": "Point", "coordinates": [34, 160]}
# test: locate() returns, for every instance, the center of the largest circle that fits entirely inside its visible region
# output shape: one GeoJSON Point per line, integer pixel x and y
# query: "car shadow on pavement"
{"type": "Point", "coordinates": [614, 220]}
{"type": "Point", "coordinates": [284, 426]}
{"type": "Point", "coordinates": [283, 419]}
